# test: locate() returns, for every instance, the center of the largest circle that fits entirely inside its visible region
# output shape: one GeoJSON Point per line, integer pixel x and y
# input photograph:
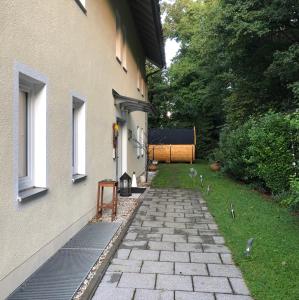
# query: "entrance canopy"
{"type": "Point", "coordinates": [131, 104]}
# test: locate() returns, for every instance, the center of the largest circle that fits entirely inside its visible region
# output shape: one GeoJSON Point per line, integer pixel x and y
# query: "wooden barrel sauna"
{"type": "Point", "coordinates": [172, 145]}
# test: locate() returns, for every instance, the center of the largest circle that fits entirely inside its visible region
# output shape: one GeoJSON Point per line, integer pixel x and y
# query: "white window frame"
{"type": "Point", "coordinates": [142, 142]}
{"type": "Point", "coordinates": [118, 38]}
{"type": "Point", "coordinates": [78, 136]}
{"type": "Point", "coordinates": [142, 87]}
{"type": "Point", "coordinates": [35, 85]}
{"type": "Point", "coordinates": [124, 50]}
{"type": "Point", "coordinates": [138, 79]}
{"type": "Point", "coordinates": [28, 181]}
{"type": "Point", "coordinates": [138, 142]}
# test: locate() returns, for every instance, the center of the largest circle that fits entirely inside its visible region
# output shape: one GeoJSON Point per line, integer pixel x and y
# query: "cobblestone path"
{"type": "Point", "coordinates": [173, 251]}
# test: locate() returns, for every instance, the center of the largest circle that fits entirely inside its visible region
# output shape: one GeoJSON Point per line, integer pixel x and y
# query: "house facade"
{"type": "Point", "coordinates": [73, 112]}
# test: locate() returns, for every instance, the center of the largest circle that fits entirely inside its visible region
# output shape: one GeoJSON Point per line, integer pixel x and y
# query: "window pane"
{"type": "Point", "coordinates": [23, 134]}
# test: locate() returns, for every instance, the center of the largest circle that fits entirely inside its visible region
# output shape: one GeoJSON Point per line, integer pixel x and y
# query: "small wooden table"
{"type": "Point", "coordinates": [100, 201]}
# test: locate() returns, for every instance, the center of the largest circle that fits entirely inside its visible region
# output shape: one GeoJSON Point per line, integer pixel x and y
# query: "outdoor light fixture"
{"type": "Point", "coordinates": [125, 185]}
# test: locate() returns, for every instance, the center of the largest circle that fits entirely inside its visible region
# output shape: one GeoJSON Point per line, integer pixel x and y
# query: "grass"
{"type": "Point", "coordinates": [272, 270]}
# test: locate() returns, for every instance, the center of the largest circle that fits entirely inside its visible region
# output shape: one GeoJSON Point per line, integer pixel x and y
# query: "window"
{"type": "Point", "coordinates": [124, 51]}
{"type": "Point", "coordinates": [25, 139]}
{"type": "Point", "coordinates": [142, 142]}
{"type": "Point", "coordinates": [138, 145]}
{"type": "Point", "coordinates": [119, 42]}
{"type": "Point", "coordinates": [138, 79]}
{"type": "Point", "coordinates": [31, 143]}
{"type": "Point", "coordinates": [142, 87]}
{"type": "Point", "coordinates": [78, 138]}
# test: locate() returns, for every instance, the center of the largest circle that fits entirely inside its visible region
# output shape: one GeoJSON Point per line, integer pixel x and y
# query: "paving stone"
{"type": "Point", "coordinates": [157, 267]}
{"type": "Point", "coordinates": [184, 220]}
{"type": "Point", "coordinates": [137, 280]}
{"type": "Point", "coordinates": [219, 239]}
{"type": "Point", "coordinates": [124, 265]}
{"type": "Point", "coordinates": [175, 225]}
{"type": "Point", "coordinates": [144, 255]}
{"type": "Point", "coordinates": [155, 213]}
{"type": "Point", "coordinates": [205, 258]}
{"type": "Point", "coordinates": [239, 286]}
{"type": "Point", "coordinates": [213, 226]}
{"type": "Point", "coordinates": [193, 296]}
{"type": "Point", "coordinates": [194, 239]}
{"type": "Point", "coordinates": [174, 282]}
{"type": "Point", "coordinates": [152, 224]}
{"type": "Point", "coordinates": [140, 229]}
{"type": "Point", "coordinates": [110, 279]}
{"type": "Point", "coordinates": [185, 231]}
{"type": "Point", "coordinates": [207, 232]}
{"type": "Point", "coordinates": [123, 253]}
{"type": "Point", "coordinates": [174, 256]}
{"type": "Point", "coordinates": [188, 247]}
{"type": "Point", "coordinates": [227, 259]}
{"type": "Point", "coordinates": [153, 295]}
{"type": "Point", "coordinates": [164, 219]}
{"type": "Point", "coordinates": [211, 284]}
{"type": "Point", "coordinates": [174, 238]}
{"type": "Point", "coordinates": [104, 292]}
{"type": "Point", "coordinates": [175, 215]}
{"type": "Point", "coordinates": [152, 245]}
{"type": "Point", "coordinates": [232, 297]}
{"type": "Point", "coordinates": [224, 270]}
{"type": "Point", "coordinates": [197, 226]}
{"type": "Point", "coordinates": [215, 248]}
{"type": "Point", "coordinates": [150, 237]}
{"type": "Point", "coordinates": [133, 245]}
{"type": "Point", "coordinates": [131, 236]}
{"type": "Point", "coordinates": [163, 230]}
{"type": "Point", "coordinates": [190, 269]}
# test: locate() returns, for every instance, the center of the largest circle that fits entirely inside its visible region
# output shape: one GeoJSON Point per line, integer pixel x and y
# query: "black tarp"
{"type": "Point", "coordinates": [173, 136]}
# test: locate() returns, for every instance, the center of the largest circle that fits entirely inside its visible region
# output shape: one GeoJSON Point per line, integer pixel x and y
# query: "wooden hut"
{"type": "Point", "coordinates": [172, 144]}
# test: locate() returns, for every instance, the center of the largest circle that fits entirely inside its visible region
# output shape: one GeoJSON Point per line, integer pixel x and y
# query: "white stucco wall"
{"type": "Point", "coordinates": [76, 54]}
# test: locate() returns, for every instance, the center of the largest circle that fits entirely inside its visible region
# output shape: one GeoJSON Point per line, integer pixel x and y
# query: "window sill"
{"type": "Point", "coordinates": [81, 6]}
{"type": "Point", "coordinates": [125, 69]}
{"type": "Point", "coordinates": [31, 193]}
{"type": "Point", "coordinates": [78, 178]}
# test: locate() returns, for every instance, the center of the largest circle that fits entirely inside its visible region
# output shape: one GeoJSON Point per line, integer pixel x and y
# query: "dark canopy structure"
{"type": "Point", "coordinates": [171, 136]}
{"type": "Point", "coordinates": [146, 15]}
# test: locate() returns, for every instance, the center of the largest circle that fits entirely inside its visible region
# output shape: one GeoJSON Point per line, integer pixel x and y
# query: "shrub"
{"type": "Point", "coordinates": [270, 151]}
{"type": "Point", "coordinates": [261, 152]}
{"type": "Point", "coordinates": [233, 146]}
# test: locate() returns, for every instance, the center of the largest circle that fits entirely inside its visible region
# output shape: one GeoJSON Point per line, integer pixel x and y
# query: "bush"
{"type": "Point", "coordinates": [233, 150]}
{"type": "Point", "coordinates": [262, 152]}
{"type": "Point", "coordinates": [270, 151]}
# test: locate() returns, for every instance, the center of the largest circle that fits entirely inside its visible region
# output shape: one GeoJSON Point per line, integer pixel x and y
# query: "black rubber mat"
{"type": "Point", "coordinates": [62, 275]}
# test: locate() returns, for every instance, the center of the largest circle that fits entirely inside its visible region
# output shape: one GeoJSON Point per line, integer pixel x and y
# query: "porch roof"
{"type": "Point", "coordinates": [131, 104]}
{"type": "Point", "coordinates": [146, 15]}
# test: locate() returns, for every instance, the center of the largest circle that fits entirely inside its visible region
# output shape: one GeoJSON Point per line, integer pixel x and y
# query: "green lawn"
{"type": "Point", "coordinates": [272, 271]}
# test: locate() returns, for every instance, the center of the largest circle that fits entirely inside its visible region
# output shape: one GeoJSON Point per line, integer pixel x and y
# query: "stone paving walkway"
{"type": "Point", "coordinates": [173, 251]}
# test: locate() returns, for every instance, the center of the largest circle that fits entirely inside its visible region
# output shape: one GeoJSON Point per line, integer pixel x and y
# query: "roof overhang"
{"type": "Point", "coordinates": [146, 14]}
{"type": "Point", "coordinates": [130, 104]}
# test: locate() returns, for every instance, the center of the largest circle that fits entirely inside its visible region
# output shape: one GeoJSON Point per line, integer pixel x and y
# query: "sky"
{"type": "Point", "coordinates": [171, 48]}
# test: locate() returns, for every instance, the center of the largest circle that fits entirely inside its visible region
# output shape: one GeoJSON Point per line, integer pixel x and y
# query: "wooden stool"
{"type": "Point", "coordinates": [100, 201]}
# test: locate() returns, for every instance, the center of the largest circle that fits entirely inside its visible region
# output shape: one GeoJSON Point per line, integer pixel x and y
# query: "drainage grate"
{"type": "Point", "coordinates": [61, 276]}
